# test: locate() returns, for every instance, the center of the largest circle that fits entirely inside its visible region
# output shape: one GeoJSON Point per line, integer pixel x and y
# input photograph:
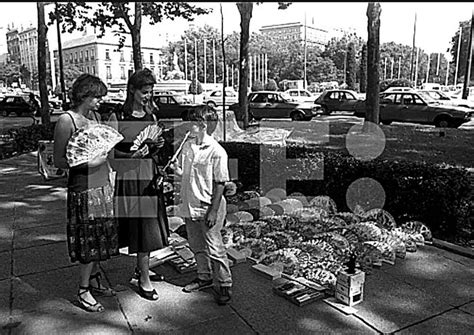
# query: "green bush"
{"type": "Point", "coordinates": [436, 195]}
{"type": "Point", "coordinates": [26, 138]}
{"type": "Point", "coordinates": [257, 85]}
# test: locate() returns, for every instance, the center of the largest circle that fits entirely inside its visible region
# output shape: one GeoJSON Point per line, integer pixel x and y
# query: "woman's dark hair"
{"type": "Point", "coordinates": [137, 81]}
{"type": "Point", "coordinates": [205, 115]}
{"type": "Point", "coordinates": [86, 85]}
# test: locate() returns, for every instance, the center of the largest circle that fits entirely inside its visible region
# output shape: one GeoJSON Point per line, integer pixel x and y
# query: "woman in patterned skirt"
{"type": "Point", "coordinates": [143, 224]}
{"type": "Point", "coordinates": [92, 227]}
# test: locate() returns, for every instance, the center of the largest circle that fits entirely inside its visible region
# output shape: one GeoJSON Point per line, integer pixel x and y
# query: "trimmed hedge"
{"type": "Point", "coordinates": [438, 196]}
{"type": "Point", "coordinates": [25, 139]}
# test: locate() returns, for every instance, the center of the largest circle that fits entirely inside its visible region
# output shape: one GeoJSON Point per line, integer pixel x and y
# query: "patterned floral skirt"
{"type": "Point", "coordinates": [92, 227]}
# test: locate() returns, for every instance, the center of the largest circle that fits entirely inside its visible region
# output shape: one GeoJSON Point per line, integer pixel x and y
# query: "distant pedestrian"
{"type": "Point", "coordinates": [35, 104]}
{"type": "Point", "coordinates": [203, 167]}
{"type": "Point", "coordinates": [141, 209]}
{"type": "Point", "coordinates": [92, 227]}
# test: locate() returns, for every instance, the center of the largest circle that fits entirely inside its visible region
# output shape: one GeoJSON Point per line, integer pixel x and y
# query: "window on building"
{"type": "Point", "coordinates": [151, 58]}
{"type": "Point", "coordinates": [131, 57]}
{"type": "Point", "coordinates": [122, 72]}
{"type": "Point", "coordinates": [82, 56]}
{"type": "Point", "coordinates": [122, 58]}
{"type": "Point", "coordinates": [75, 57]}
{"type": "Point", "coordinates": [87, 55]}
{"type": "Point", "coordinates": [107, 54]}
{"type": "Point", "coordinates": [93, 69]}
{"type": "Point", "coordinates": [92, 54]}
{"type": "Point", "coordinates": [109, 72]}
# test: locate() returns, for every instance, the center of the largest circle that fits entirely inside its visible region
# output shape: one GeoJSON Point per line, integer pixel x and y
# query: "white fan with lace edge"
{"type": "Point", "coordinates": [151, 132]}
{"type": "Point", "coordinates": [87, 143]}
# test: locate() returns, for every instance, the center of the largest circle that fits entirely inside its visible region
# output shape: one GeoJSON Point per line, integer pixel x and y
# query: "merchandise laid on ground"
{"type": "Point", "coordinates": [306, 248]}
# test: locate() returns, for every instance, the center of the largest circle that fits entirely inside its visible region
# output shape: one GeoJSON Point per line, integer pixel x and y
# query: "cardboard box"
{"type": "Point", "coordinates": [266, 271]}
{"type": "Point", "coordinates": [236, 256]}
{"type": "Point", "coordinates": [349, 291]}
{"type": "Point", "coordinates": [350, 300]}
{"type": "Point", "coordinates": [297, 293]}
{"type": "Point", "coordinates": [349, 280]}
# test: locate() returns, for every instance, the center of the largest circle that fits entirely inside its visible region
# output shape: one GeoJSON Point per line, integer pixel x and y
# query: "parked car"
{"type": "Point", "coordinates": [445, 99]}
{"type": "Point", "coordinates": [16, 104]}
{"type": "Point", "coordinates": [174, 107]}
{"type": "Point", "coordinates": [299, 95]}
{"type": "Point", "coordinates": [337, 100]}
{"type": "Point", "coordinates": [416, 107]}
{"type": "Point", "coordinates": [270, 104]}
{"type": "Point", "coordinates": [399, 89]}
{"type": "Point", "coordinates": [215, 98]}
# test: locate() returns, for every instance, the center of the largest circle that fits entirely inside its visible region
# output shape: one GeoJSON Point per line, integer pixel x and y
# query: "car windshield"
{"type": "Point", "coordinates": [428, 99]}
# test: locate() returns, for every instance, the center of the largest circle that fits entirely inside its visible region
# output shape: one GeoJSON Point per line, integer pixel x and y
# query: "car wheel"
{"type": "Point", "coordinates": [443, 122]}
{"type": "Point", "coordinates": [297, 116]}
{"type": "Point", "coordinates": [325, 110]}
{"type": "Point", "coordinates": [211, 104]}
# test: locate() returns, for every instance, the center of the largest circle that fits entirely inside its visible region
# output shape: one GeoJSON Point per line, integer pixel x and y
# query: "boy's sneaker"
{"type": "Point", "coordinates": [223, 295]}
{"type": "Point", "coordinates": [197, 285]}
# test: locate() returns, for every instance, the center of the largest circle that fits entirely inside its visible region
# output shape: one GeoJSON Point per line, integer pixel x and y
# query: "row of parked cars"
{"type": "Point", "coordinates": [396, 105]}
{"type": "Point", "coordinates": [404, 105]}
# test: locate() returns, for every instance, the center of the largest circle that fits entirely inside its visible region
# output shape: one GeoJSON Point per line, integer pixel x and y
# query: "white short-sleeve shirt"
{"type": "Point", "coordinates": [202, 165]}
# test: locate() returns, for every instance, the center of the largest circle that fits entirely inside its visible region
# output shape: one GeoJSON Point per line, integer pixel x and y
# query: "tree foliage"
{"type": "Point", "coordinates": [363, 69]}
{"type": "Point", "coordinates": [351, 67]}
{"type": "Point", "coordinates": [119, 17]}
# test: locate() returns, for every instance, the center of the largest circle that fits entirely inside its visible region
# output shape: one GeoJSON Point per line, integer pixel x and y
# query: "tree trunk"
{"type": "Point", "coordinates": [43, 88]}
{"type": "Point", "coordinates": [135, 31]}
{"type": "Point", "coordinates": [245, 10]}
{"type": "Point", "coordinates": [373, 58]}
{"type": "Point", "coordinates": [467, 73]}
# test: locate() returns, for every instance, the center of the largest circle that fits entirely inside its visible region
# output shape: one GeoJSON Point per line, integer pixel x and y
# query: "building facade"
{"type": "Point", "coordinates": [13, 45]}
{"type": "Point", "coordinates": [296, 31]}
{"type": "Point", "coordinates": [28, 45]}
{"type": "Point", "coordinates": [101, 57]}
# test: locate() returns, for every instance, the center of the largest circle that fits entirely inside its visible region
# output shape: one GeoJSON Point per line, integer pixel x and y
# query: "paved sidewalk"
{"type": "Point", "coordinates": [429, 292]}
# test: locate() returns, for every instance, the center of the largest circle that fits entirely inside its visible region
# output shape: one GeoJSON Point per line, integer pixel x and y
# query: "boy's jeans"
{"type": "Point", "coordinates": [209, 250]}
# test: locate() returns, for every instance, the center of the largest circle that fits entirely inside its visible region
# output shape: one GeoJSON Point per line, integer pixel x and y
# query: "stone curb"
{"type": "Point", "coordinates": [467, 252]}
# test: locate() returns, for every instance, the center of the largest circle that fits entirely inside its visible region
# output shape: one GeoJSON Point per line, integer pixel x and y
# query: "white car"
{"type": "Point", "coordinates": [214, 99]}
{"type": "Point", "coordinates": [399, 89]}
{"type": "Point", "coordinates": [444, 99]}
{"type": "Point", "coordinates": [298, 95]}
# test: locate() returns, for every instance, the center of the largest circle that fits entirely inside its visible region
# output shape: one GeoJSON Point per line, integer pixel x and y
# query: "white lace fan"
{"type": "Point", "coordinates": [151, 132]}
{"type": "Point", "coordinates": [87, 143]}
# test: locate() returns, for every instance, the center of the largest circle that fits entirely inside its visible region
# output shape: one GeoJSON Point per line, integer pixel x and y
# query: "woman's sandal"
{"type": "Point", "coordinates": [155, 277]}
{"type": "Point", "coordinates": [100, 289]}
{"type": "Point", "coordinates": [97, 307]}
{"type": "Point", "coordinates": [150, 295]}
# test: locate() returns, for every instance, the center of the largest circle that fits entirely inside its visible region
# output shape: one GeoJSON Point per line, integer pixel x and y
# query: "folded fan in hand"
{"type": "Point", "coordinates": [151, 132]}
{"type": "Point", "coordinates": [87, 143]}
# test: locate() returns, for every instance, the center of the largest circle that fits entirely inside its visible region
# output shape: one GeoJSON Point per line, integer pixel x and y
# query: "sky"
{"type": "Point", "coordinates": [437, 22]}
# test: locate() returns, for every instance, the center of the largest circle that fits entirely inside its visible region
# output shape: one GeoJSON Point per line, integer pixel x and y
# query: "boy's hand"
{"type": "Point", "coordinates": [211, 218]}
{"type": "Point", "coordinates": [230, 188]}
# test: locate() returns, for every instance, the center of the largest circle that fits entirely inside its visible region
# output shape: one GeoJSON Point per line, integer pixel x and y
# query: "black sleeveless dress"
{"type": "Point", "coordinates": [143, 224]}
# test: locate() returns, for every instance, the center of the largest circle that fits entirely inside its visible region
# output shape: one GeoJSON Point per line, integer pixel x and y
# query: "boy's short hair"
{"type": "Point", "coordinates": [205, 115]}
{"type": "Point", "coordinates": [86, 85]}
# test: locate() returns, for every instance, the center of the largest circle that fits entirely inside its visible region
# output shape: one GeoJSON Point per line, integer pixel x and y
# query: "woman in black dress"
{"type": "Point", "coordinates": [91, 223]}
{"type": "Point", "coordinates": [143, 224]}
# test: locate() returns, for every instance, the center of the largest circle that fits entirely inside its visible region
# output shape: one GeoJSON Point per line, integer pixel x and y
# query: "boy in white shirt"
{"type": "Point", "coordinates": [203, 166]}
